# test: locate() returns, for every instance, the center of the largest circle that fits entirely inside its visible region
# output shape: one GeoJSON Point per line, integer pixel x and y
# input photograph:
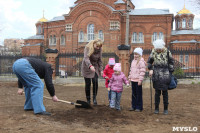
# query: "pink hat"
{"type": "Point", "coordinates": [111, 61]}
{"type": "Point", "coordinates": [117, 67]}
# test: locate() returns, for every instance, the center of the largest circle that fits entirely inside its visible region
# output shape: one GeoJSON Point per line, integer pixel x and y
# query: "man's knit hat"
{"type": "Point", "coordinates": [159, 44]}
{"type": "Point", "coordinates": [117, 67]}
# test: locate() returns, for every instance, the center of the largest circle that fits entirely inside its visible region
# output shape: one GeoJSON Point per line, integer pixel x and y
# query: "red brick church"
{"type": "Point", "coordinates": [108, 20]}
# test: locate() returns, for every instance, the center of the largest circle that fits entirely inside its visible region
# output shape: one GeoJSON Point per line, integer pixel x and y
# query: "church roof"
{"type": "Point", "coordinates": [36, 37]}
{"type": "Point", "coordinates": [184, 11]}
{"type": "Point", "coordinates": [150, 11]}
{"type": "Point", "coordinates": [183, 32]}
{"type": "Point", "coordinates": [119, 2]}
{"type": "Point", "coordinates": [58, 18]}
{"type": "Point", "coordinates": [42, 20]}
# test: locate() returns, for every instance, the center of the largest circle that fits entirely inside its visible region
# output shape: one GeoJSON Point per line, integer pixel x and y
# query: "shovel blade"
{"type": "Point", "coordinates": [83, 104]}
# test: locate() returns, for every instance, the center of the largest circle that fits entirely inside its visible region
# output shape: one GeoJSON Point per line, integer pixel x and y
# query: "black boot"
{"type": "Point", "coordinates": [88, 99]}
{"type": "Point", "coordinates": [156, 109]}
{"type": "Point", "coordinates": [165, 110]}
{"type": "Point", "coordinates": [94, 100]}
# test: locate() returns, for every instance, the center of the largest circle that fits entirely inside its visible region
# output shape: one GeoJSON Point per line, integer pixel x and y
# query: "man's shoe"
{"type": "Point", "coordinates": [156, 111]}
{"type": "Point", "coordinates": [165, 112]}
{"type": "Point", "coordinates": [44, 113]}
{"type": "Point", "coordinates": [28, 109]}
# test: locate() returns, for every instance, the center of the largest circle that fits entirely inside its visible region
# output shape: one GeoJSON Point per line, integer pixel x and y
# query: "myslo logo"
{"type": "Point", "coordinates": [185, 129]}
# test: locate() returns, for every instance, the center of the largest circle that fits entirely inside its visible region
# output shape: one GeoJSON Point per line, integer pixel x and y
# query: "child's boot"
{"type": "Point", "coordinates": [156, 109]}
{"type": "Point", "coordinates": [165, 110]}
{"type": "Point", "coordinates": [94, 100]}
{"type": "Point", "coordinates": [88, 99]}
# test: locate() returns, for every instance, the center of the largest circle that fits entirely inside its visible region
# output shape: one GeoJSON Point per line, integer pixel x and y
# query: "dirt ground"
{"type": "Point", "coordinates": [184, 111]}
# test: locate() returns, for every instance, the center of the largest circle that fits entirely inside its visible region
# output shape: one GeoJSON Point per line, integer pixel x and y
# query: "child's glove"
{"type": "Point", "coordinates": [108, 89]}
{"type": "Point", "coordinates": [127, 85]}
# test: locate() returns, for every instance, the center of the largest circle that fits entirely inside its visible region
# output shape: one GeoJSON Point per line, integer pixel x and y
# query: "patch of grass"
{"type": "Point", "coordinates": [193, 82]}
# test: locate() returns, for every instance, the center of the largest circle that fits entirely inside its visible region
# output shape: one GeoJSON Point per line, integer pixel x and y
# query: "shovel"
{"type": "Point", "coordinates": [78, 104]}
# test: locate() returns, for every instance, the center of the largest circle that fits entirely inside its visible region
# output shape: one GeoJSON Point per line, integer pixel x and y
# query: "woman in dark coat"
{"type": "Point", "coordinates": [160, 70]}
{"type": "Point", "coordinates": [92, 67]}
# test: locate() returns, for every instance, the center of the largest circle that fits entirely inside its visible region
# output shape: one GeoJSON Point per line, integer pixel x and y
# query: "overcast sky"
{"type": "Point", "coordinates": [18, 17]}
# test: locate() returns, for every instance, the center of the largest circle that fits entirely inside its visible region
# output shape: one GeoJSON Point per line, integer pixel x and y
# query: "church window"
{"type": "Point", "coordinates": [178, 24]}
{"type": "Point", "coordinates": [81, 36]}
{"type": "Point", "coordinates": [101, 35]}
{"type": "Point", "coordinates": [154, 36]}
{"type": "Point", "coordinates": [54, 40]}
{"type": "Point", "coordinates": [181, 58]}
{"type": "Point", "coordinates": [62, 40]}
{"type": "Point", "coordinates": [134, 40]}
{"type": "Point", "coordinates": [39, 30]}
{"type": "Point", "coordinates": [190, 23]}
{"type": "Point", "coordinates": [160, 35]}
{"type": "Point", "coordinates": [186, 58]}
{"type": "Point", "coordinates": [90, 32]}
{"type": "Point", "coordinates": [114, 25]}
{"type": "Point", "coordinates": [141, 37]}
{"type": "Point", "coordinates": [50, 40]}
{"type": "Point", "coordinates": [68, 27]}
{"type": "Point", "coordinates": [183, 23]}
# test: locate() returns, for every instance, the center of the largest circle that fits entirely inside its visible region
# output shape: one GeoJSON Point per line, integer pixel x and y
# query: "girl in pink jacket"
{"type": "Point", "coordinates": [116, 86]}
{"type": "Point", "coordinates": [136, 76]}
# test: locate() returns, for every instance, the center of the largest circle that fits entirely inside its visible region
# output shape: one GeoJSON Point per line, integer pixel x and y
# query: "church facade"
{"type": "Point", "coordinates": [108, 20]}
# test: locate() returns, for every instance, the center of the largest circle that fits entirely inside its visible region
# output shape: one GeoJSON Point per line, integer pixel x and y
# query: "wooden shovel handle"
{"type": "Point", "coordinates": [63, 101]}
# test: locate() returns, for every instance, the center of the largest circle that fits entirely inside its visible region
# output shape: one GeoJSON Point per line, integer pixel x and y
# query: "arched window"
{"type": "Point", "coordinates": [134, 37]}
{"type": "Point", "coordinates": [154, 36]}
{"type": "Point", "coordinates": [90, 32]}
{"type": "Point", "coordinates": [81, 36]}
{"type": "Point", "coordinates": [190, 23]}
{"type": "Point", "coordinates": [54, 40]}
{"type": "Point", "coordinates": [160, 35]}
{"type": "Point", "coordinates": [39, 30]}
{"type": "Point", "coordinates": [62, 42]}
{"type": "Point", "coordinates": [141, 37]}
{"type": "Point", "coordinates": [178, 24]}
{"type": "Point", "coordinates": [101, 34]}
{"type": "Point", "coordinates": [50, 40]}
{"type": "Point", "coordinates": [183, 23]}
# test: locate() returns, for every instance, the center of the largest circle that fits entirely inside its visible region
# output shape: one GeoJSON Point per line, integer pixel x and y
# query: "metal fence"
{"type": "Point", "coordinates": [69, 64]}
{"type": "Point", "coordinates": [6, 62]}
{"type": "Point", "coordinates": [186, 62]}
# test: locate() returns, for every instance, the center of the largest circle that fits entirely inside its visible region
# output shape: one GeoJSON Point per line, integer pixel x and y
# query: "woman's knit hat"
{"type": "Point", "coordinates": [159, 44]}
{"type": "Point", "coordinates": [117, 67]}
{"type": "Point", "coordinates": [138, 51]}
{"type": "Point", "coordinates": [111, 61]}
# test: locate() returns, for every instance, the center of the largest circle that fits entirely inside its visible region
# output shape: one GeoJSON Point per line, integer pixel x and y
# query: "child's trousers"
{"type": "Point", "coordinates": [115, 99]}
{"type": "Point", "coordinates": [137, 102]}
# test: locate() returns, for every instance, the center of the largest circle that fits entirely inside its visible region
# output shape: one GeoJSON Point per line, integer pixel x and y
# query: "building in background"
{"type": "Point", "coordinates": [108, 20]}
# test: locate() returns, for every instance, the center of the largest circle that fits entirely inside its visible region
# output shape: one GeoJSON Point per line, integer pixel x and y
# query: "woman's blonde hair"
{"type": "Point", "coordinates": [90, 45]}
